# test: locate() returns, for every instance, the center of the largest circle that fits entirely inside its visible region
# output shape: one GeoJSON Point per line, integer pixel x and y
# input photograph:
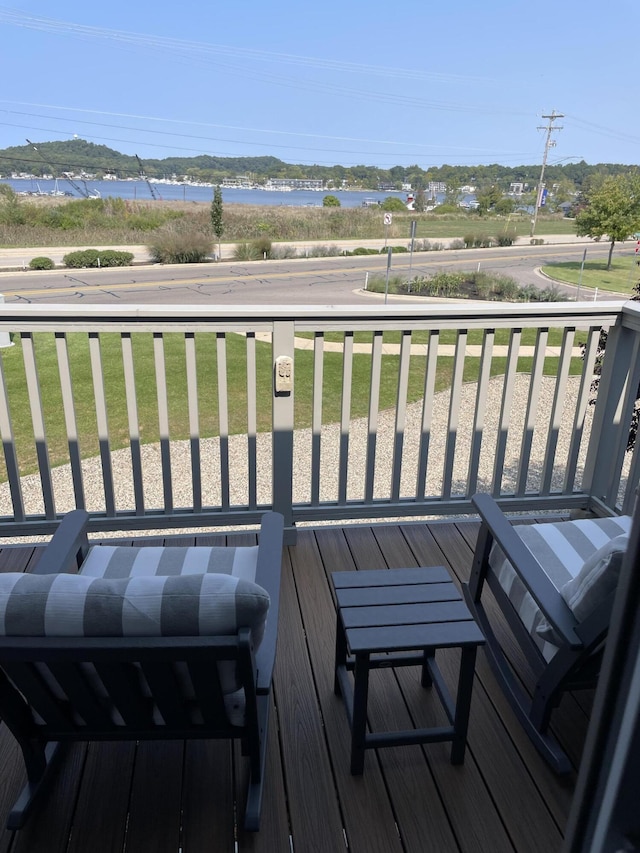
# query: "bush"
{"type": "Point", "coordinates": [176, 243]}
{"type": "Point", "coordinates": [263, 247]}
{"type": "Point", "coordinates": [536, 241]}
{"type": "Point", "coordinates": [82, 258]}
{"type": "Point", "coordinates": [283, 253]}
{"type": "Point", "coordinates": [112, 258]}
{"type": "Point", "coordinates": [41, 263]}
{"type": "Point", "coordinates": [457, 244]}
{"type": "Point", "coordinates": [331, 201]}
{"type": "Point", "coordinates": [392, 202]}
{"type": "Point", "coordinates": [361, 250]}
{"type": "Point", "coordinates": [504, 240]}
{"type": "Point", "coordinates": [330, 251]}
{"type": "Point", "coordinates": [245, 252]}
{"type": "Point", "coordinates": [394, 249]}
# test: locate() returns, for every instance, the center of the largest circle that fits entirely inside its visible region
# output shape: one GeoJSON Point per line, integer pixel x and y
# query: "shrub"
{"type": "Point", "coordinates": [263, 247]}
{"type": "Point", "coordinates": [245, 252]}
{"type": "Point", "coordinates": [507, 288]}
{"type": "Point", "coordinates": [536, 241]}
{"type": "Point", "coordinates": [552, 294]}
{"type": "Point", "coordinates": [392, 202]}
{"type": "Point", "coordinates": [283, 253]}
{"type": "Point", "coordinates": [82, 258]}
{"type": "Point", "coordinates": [504, 240]}
{"type": "Point", "coordinates": [331, 201]}
{"type": "Point", "coordinates": [361, 250]}
{"type": "Point", "coordinates": [41, 263]}
{"type": "Point", "coordinates": [113, 258]}
{"type": "Point", "coordinates": [457, 244]}
{"type": "Point", "coordinates": [177, 243]}
{"type": "Point", "coordinates": [394, 249]}
{"type": "Point", "coordinates": [330, 251]}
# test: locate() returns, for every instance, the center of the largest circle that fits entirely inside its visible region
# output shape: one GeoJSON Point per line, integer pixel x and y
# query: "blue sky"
{"type": "Point", "coordinates": [332, 82]}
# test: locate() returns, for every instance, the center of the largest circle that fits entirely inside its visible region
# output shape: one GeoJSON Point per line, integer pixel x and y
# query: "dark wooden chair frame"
{"type": "Point", "coordinates": [82, 715]}
{"type": "Point", "coordinates": [576, 664]}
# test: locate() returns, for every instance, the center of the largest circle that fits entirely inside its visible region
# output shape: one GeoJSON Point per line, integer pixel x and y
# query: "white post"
{"type": "Point", "coordinates": [5, 338]}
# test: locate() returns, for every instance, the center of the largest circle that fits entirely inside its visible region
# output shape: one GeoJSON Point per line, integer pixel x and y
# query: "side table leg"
{"type": "Point", "coordinates": [359, 718]}
{"type": "Point", "coordinates": [429, 655]}
{"type": "Point", "coordinates": [463, 704]}
{"type": "Point", "coordinates": [341, 653]}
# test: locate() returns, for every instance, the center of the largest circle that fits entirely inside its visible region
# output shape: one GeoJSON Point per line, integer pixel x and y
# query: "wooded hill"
{"type": "Point", "coordinates": [78, 155]}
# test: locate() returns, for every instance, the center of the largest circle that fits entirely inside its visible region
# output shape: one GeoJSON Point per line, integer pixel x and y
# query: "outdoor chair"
{"type": "Point", "coordinates": [121, 643]}
{"type": "Point", "coordinates": [554, 583]}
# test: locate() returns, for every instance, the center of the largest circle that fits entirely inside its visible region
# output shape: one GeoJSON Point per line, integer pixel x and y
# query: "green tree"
{"type": "Point", "coordinates": [331, 201]}
{"type": "Point", "coordinates": [217, 217]}
{"type": "Point", "coordinates": [393, 203]}
{"type": "Point", "coordinates": [612, 208]}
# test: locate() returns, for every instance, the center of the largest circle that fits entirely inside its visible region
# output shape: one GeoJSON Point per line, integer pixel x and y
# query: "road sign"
{"type": "Point", "coordinates": [388, 218]}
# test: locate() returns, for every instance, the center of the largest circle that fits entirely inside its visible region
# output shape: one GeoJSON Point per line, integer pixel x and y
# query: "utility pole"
{"type": "Point", "coordinates": [549, 143]}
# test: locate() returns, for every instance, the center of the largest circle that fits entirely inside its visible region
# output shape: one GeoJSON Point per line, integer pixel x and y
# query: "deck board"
{"type": "Point", "coordinates": [171, 796]}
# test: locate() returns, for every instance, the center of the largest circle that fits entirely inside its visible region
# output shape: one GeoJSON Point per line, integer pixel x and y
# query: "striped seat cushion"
{"type": "Point", "coordinates": [78, 605]}
{"type": "Point", "coordinates": [561, 549]}
{"type": "Point", "coordinates": [120, 561]}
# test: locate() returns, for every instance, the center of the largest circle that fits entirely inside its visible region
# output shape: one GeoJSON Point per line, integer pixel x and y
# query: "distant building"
{"type": "Point", "coordinates": [386, 187]}
{"type": "Point", "coordinates": [294, 184]}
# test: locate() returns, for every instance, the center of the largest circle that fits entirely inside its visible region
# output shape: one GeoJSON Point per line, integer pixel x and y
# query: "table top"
{"type": "Point", "coordinates": [401, 609]}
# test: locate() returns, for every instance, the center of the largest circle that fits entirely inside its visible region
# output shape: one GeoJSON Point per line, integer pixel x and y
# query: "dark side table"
{"type": "Point", "coordinates": [401, 617]}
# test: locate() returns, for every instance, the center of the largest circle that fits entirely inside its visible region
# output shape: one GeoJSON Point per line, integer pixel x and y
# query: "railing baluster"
{"type": "Point", "coordinates": [401, 413]}
{"type": "Point", "coordinates": [102, 422]}
{"type": "Point", "coordinates": [68, 406]}
{"type": "Point", "coordinates": [535, 385]}
{"type": "Point", "coordinates": [345, 416]}
{"type": "Point", "coordinates": [372, 425]}
{"type": "Point", "coordinates": [505, 410]}
{"type": "Point", "coordinates": [37, 418]}
{"type": "Point", "coordinates": [9, 448]}
{"type": "Point", "coordinates": [163, 419]}
{"type": "Point", "coordinates": [252, 422]}
{"type": "Point", "coordinates": [427, 412]}
{"type": "Point", "coordinates": [133, 421]}
{"type": "Point", "coordinates": [194, 419]}
{"type": "Point", "coordinates": [581, 408]}
{"type": "Point", "coordinates": [556, 410]}
{"type": "Point", "coordinates": [316, 416]}
{"type": "Point", "coordinates": [481, 408]}
{"type": "Point", "coordinates": [454, 413]}
{"type": "Point", "coordinates": [223, 416]}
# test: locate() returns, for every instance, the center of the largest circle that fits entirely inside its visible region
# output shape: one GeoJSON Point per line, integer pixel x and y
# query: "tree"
{"type": "Point", "coordinates": [392, 202]}
{"type": "Point", "coordinates": [217, 219]}
{"type": "Point", "coordinates": [612, 208]}
{"type": "Point", "coordinates": [331, 201]}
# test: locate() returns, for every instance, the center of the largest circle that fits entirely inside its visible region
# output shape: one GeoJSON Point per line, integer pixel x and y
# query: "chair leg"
{"type": "Point", "coordinates": [40, 767]}
{"type": "Point", "coordinates": [258, 763]}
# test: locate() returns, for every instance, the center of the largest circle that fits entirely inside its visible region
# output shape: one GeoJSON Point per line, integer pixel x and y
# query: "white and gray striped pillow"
{"type": "Point", "coordinates": [121, 561]}
{"type": "Point", "coordinates": [68, 605]}
{"type": "Point", "coordinates": [561, 548]}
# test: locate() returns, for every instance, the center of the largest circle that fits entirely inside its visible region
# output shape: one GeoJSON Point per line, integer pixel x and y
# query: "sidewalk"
{"type": "Point", "coordinates": [19, 258]}
{"type": "Point", "coordinates": [472, 350]}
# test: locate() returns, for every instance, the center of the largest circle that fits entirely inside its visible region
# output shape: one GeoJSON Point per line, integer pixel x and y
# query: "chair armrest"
{"type": "Point", "coordinates": [268, 572]}
{"type": "Point", "coordinates": [68, 546]}
{"type": "Point", "coordinates": [528, 569]}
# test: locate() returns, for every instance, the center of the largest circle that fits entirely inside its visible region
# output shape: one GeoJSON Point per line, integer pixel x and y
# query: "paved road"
{"type": "Point", "coordinates": [323, 281]}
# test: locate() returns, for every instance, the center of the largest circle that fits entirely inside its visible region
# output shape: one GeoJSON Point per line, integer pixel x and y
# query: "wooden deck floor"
{"type": "Point", "coordinates": [175, 797]}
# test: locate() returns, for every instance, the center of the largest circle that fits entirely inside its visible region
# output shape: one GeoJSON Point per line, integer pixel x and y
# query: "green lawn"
{"type": "Point", "coordinates": [174, 345]}
{"type": "Point", "coordinates": [623, 276]}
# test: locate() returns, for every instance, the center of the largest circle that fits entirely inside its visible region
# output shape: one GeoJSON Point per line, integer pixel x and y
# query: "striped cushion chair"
{"type": "Point", "coordinates": [119, 643]}
{"type": "Point", "coordinates": [554, 583]}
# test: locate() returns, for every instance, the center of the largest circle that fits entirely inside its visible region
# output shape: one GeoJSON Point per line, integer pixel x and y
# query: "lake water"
{"type": "Point", "coordinates": [186, 192]}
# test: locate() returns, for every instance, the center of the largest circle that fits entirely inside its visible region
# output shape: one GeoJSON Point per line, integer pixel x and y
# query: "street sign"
{"type": "Point", "coordinates": [388, 218]}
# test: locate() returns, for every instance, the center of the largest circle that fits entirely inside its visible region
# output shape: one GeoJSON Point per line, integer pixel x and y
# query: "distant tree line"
{"type": "Point", "coordinates": [77, 155]}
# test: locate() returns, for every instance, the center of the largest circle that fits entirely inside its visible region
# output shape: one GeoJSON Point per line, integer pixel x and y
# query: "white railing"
{"type": "Point", "coordinates": [168, 417]}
